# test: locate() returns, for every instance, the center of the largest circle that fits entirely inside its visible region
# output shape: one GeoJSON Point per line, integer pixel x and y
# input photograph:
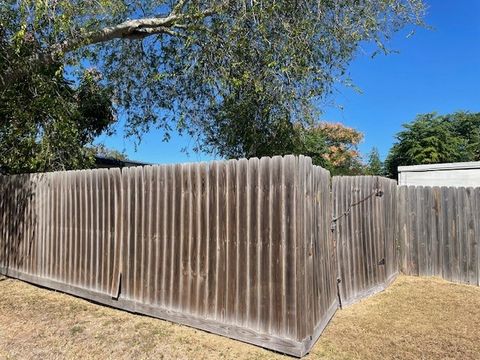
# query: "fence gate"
{"type": "Point", "coordinates": [364, 232]}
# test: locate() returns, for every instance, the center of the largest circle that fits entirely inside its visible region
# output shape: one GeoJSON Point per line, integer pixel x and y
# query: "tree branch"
{"type": "Point", "coordinates": [134, 29]}
{"type": "Point", "coordinates": [179, 7]}
{"type": "Point", "coordinates": [127, 29]}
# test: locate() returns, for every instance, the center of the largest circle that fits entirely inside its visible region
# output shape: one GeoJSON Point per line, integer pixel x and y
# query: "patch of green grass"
{"type": "Point", "coordinates": [76, 329]}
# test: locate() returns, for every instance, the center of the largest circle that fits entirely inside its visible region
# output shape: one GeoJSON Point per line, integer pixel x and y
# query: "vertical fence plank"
{"type": "Point", "coordinates": [220, 288]}
{"type": "Point", "coordinates": [471, 277]}
{"type": "Point", "coordinates": [183, 237]}
{"type": "Point", "coordinates": [291, 245]}
{"type": "Point", "coordinates": [117, 235]}
{"type": "Point", "coordinates": [300, 250]}
{"type": "Point", "coordinates": [175, 235]}
{"type": "Point", "coordinates": [447, 271]}
{"type": "Point", "coordinates": [204, 188]}
{"type": "Point", "coordinates": [158, 184]}
{"type": "Point", "coordinates": [263, 260]}
{"type": "Point", "coordinates": [231, 275]}
{"type": "Point", "coordinates": [277, 297]}
{"type": "Point", "coordinates": [193, 211]}
{"type": "Point", "coordinates": [3, 217]}
{"type": "Point", "coordinates": [242, 241]}
{"type": "Point", "coordinates": [150, 217]}
{"type": "Point", "coordinates": [168, 236]}
{"type": "Point", "coordinates": [477, 233]}
{"type": "Point", "coordinates": [212, 240]}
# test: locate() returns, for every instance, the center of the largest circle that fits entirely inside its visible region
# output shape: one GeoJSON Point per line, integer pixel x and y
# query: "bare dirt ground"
{"type": "Point", "coordinates": [416, 318]}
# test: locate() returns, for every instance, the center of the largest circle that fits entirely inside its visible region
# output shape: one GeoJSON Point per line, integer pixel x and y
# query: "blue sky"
{"type": "Point", "coordinates": [435, 70]}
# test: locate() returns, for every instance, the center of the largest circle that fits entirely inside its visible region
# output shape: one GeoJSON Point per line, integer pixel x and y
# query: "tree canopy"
{"type": "Point", "coordinates": [332, 146]}
{"type": "Point", "coordinates": [45, 119]}
{"type": "Point", "coordinates": [433, 138]}
{"type": "Point", "coordinates": [235, 75]}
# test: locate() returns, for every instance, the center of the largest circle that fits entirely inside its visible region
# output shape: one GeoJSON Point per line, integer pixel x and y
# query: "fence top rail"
{"type": "Point", "coordinates": [193, 163]}
{"type": "Point", "coordinates": [366, 177]}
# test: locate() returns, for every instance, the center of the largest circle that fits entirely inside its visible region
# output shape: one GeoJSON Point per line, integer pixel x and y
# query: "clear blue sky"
{"type": "Point", "coordinates": [435, 70]}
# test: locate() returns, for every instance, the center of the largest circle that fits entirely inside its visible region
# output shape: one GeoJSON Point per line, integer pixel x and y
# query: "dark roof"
{"type": "Point", "coordinates": [106, 162]}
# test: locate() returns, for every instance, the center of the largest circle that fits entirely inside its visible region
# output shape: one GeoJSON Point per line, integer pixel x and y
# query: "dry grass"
{"type": "Point", "coordinates": [415, 318]}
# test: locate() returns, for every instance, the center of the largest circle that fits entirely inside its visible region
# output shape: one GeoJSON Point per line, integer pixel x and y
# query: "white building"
{"type": "Point", "coordinates": [465, 174]}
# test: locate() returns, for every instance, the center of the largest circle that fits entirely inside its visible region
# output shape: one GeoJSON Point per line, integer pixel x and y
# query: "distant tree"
{"type": "Point", "coordinates": [374, 165]}
{"type": "Point", "coordinates": [248, 126]}
{"type": "Point", "coordinates": [332, 146]}
{"type": "Point", "coordinates": [102, 151]}
{"type": "Point", "coordinates": [433, 138]}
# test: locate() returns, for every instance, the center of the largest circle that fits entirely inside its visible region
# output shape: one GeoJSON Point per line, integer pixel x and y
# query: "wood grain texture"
{"type": "Point", "coordinates": [365, 234]}
{"type": "Point", "coordinates": [439, 232]}
{"type": "Point", "coordinates": [240, 247]}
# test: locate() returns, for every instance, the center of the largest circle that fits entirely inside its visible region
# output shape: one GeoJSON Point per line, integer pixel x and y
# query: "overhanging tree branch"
{"type": "Point", "coordinates": [133, 29]}
{"type": "Point", "coordinates": [126, 30]}
{"type": "Point", "coordinates": [174, 24]}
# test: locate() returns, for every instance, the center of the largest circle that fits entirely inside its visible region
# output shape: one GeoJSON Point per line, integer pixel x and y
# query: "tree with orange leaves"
{"type": "Point", "coordinates": [331, 145]}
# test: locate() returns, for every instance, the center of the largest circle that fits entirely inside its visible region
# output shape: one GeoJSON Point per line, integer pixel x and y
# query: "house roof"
{"type": "Point", "coordinates": [107, 162]}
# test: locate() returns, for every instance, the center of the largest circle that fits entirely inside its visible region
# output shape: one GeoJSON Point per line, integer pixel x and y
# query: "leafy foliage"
{"type": "Point", "coordinates": [235, 75]}
{"type": "Point", "coordinates": [433, 138]}
{"type": "Point", "coordinates": [45, 121]}
{"type": "Point", "coordinates": [332, 146]}
{"type": "Point", "coordinates": [102, 151]}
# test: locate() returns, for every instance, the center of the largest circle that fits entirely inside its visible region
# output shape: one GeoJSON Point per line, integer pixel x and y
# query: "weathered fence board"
{"type": "Point", "coordinates": [365, 234]}
{"type": "Point", "coordinates": [54, 226]}
{"type": "Point", "coordinates": [321, 252]}
{"type": "Point", "coordinates": [241, 248]}
{"type": "Point", "coordinates": [439, 232]}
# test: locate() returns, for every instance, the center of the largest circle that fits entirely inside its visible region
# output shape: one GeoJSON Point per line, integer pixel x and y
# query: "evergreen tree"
{"type": "Point", "coordinates": [433, 138]}
{"type": "Point", "coordinates": [374, 165]}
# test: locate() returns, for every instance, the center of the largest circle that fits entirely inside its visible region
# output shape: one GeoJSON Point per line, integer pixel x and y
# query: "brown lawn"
{"type": "Point", "coordinates": [416, 318]}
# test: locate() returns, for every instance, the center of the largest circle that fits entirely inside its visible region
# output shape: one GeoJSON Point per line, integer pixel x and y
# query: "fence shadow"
{"type": "Point", "coordinates": [18, 222]}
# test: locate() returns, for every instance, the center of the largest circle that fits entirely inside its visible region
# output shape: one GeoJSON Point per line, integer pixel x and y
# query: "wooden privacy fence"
{"type": "Point", "coordinates": [240, 248]}
{"type": "Point", "coordinates": [364, 229]}
{"type": "Point", "coordinates": [439, 232]}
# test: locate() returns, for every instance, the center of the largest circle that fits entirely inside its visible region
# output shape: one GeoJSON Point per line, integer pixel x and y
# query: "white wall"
{"type": "Point", "coordinates": [443, 177]}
